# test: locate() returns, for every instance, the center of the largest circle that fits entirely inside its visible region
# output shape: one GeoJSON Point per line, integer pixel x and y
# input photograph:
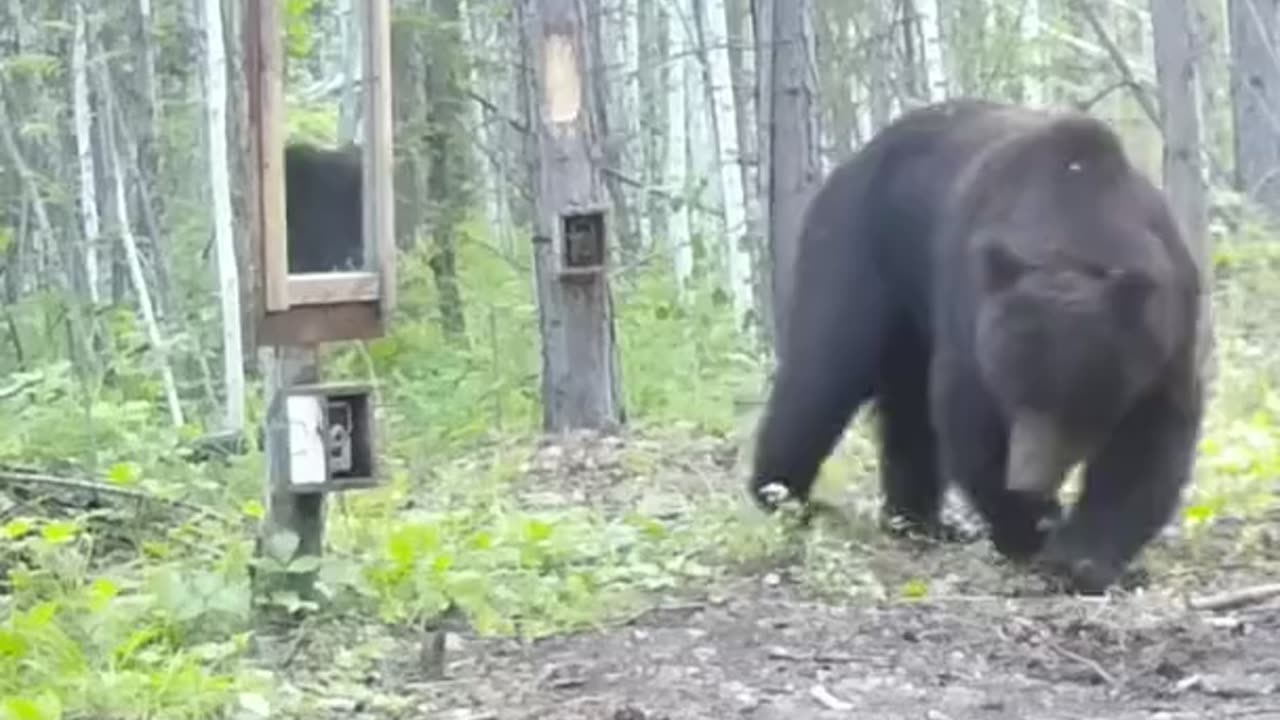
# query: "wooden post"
{"type": "Point", "coordinates": [580, 377]}
{"type": "Point", "coordinates": [299, 513]}
{"type": "Point", "coordinates": [327, 446]}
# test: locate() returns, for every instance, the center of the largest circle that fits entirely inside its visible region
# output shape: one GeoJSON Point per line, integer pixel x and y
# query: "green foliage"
{"type": "Point", "coordinates": [84, 642]}
{"type": "Point", "coordinates": [683, 360]}
{"type": "Point", "coordinates": [299, 40]}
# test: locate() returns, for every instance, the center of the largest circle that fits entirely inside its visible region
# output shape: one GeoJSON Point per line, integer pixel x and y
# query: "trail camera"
{"type": "Point", "coordinates": [331, 438]}
{"type": "Point", "coordinates": [583, 250]}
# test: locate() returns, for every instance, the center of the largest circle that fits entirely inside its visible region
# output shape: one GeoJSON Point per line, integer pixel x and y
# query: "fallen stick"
{"type": "Point", "coordinates": [1236, 598]}
{"type": "Point", "coordinates": [1093, 665]}
{"type": "Point", "coordinates": [20, 477]}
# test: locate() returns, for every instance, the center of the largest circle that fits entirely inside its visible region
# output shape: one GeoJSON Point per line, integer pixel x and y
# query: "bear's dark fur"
{"type": "Point", "coordinates": [323, 208]}
{"type": "Point", "coordinates": [979, 262]}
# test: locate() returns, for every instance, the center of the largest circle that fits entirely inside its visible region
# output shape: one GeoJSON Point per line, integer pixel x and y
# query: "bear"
{"type": "Point", "coordinates": [323, 208]}
{"type": "Point", "coordinates": [1017, 298]}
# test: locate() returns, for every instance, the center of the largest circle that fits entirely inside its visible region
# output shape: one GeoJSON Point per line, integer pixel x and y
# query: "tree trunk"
{"type": "Point", "coordinates": [788, 139]}
{"type": "Point", "coordinates": [1173, 35]}
{"type": "Point", "coordinates": [580, 374]}
{"type": "Point", "coordinates": [612, 141]}
{"type": "Point", "coordinates": [83, 114]}
{"type": "Point", "coordinates": [1255, 89]}
{"type": "Point", "coordinates": [224, 240]}
{"type": "Point", "coordinates": [447, 177]}
{"type": "Point", "coordinates": [742, 69]}
{"type": "Point", "coordinates": [652, 47]}
{"type": "Point", "coordinates": [677, 153]}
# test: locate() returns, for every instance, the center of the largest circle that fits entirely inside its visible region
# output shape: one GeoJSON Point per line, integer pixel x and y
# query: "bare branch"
{"type": "Point", "coordinates": [1122, 65]}
{"type": "Point", "coordinates": [23, 477]}
{"type": "Point", "coordinates": [1236, 598]}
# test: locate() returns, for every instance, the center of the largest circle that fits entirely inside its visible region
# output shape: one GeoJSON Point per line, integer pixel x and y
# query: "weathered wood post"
{"type": "Point", "coordinates": [322, 256]}
{"type": "Point", "coordinates": [580, 374]}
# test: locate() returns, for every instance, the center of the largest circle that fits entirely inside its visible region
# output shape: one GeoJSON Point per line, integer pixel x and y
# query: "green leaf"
{"type": "Point", "coordinates": [101, 592]}
{"type": "Point", "coordinates": [58, 532]}
{"type": "Point", "coordinates": [15, 529]}
{"type": "Point", "coordinates": [253, 508]}
{"type": "Point", "coordinates": [304, 564]}
{"type": "Point", "coordinates": [282, 545]}
{"type": "Point", "coordinates": [914, 589]}
{"type": "Point", "coordinates": [536, 530]}
{"type": "Point", "coordinates": [20, 708]}
{"type": "Point", "coordinates": [123, 473]}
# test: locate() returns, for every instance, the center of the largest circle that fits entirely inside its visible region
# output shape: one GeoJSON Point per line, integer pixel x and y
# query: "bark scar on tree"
{"type": "Point", "coordinates": [563, 86]}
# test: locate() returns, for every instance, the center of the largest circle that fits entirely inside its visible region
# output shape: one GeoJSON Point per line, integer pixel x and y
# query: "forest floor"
{"type": "Point", "coordinates": [789, 638]}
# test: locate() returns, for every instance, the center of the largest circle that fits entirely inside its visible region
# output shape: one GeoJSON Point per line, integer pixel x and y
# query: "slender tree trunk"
{"type": "Point", "coordinates": [1255, 86]}
{"type": "Point", "coordinates": [1173, 33]}
{"type": "Point", "coordinates": [84, 152]}
{"type": "Point", "coordinates": [447, 181]}
{"type": "Point", "coordinates": [612, 141]}
{"type": "Point", "coordinates": [220, 186]}
{"type": "Point", "coordinates": [653, 77]}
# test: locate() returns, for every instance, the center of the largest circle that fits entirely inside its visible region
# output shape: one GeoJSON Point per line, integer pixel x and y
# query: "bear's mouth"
{"type": "Point", "coordinates": [1041, 453]}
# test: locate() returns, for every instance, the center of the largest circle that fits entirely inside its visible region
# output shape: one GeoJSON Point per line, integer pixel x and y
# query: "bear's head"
{"type": "Point", "coordinates": [1065, 347]}
{"type": "Point", "coordinates": [1081, 299]}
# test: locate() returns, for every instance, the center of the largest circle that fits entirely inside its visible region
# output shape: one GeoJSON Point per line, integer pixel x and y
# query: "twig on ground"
{"type": "Point", "coordinates": [781, 653]}
{"type": "Point", "coordinates": [642, 613]}
{"type": "Point", "coordinates": [829, 701]}
{"type": "Point", "coordinates": [1235, 598]}
{"type": "Point", "coordinates": [1092, 665]}
{"type": "Point", "coordinates": [18, 387]}
{"type": "Point", "coordinates": [22, 477]}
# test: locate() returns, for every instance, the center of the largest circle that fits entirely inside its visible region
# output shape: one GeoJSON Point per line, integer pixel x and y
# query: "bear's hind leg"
{"type": "Point", "coordinates": [909, 472]}
{"type": "Point", "coordinates": [1131, 489]}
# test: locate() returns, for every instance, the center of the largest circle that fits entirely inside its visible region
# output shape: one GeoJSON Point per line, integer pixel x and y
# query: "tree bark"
{"type": "Point", "coordinates": [788, 139]}
{"type": "Point", "coordinates": [1173, 34]}
{"type": "Point", "coordinates": [1255, 90]}
{"type": "Point", "coordinates": [448, 185]}
{"type": "Point", "coordinates": [580, 373]}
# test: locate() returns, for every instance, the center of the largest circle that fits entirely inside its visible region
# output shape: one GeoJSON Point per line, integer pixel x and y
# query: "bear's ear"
{"type": "Point", "coordinates": [1000, 269]}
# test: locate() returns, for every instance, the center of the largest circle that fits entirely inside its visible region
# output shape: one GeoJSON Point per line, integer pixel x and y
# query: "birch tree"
{"type": "Point", "coordinates": [133, 257]}
{"type": "Point", "coordinates": [742, 68]}
{"type": "Point", "coordinates": [713, 15]}
{"type": "Point", "coordinates": [677, 153]}
{"type": "Point", "coordinates": [224, 240]}
{"type": "Point", "coordinates": [82, 113]}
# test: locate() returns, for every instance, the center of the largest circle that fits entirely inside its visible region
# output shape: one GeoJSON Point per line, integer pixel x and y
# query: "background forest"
{"type": "Point", "coordinates": [127, 553]}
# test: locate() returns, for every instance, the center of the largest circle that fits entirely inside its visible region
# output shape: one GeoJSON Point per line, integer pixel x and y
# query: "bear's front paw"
{"type": "Point", "coordinates": [1073, 569]}
{"type": "Point", "coordinates": [936, 530]}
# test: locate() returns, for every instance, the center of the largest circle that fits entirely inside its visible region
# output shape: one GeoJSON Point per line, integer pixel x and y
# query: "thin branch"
{"type": "Point", "coordinates": [23, 477]}
{"type": "Point", "coordinates": [1236, 598]}
{"type": "Point", "coordinates": [18, 387]}
{"type": "Point", "coordinates": [1122, 65]}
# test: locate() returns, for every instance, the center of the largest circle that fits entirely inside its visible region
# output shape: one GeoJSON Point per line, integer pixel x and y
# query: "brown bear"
{"type": "Point", "coordinates": [1017, 298]}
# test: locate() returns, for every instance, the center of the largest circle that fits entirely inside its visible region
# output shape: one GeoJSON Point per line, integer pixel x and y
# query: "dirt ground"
{"type": "Point", "coordinates": [769, 654]}
{"type": "Point", "coordinates": [762, 645]}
